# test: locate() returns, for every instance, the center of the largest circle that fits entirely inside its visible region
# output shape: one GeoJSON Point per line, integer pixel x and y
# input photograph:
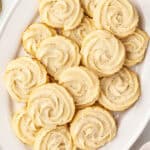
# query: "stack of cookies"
{"type": "Point", "coordinates": [76, 73]}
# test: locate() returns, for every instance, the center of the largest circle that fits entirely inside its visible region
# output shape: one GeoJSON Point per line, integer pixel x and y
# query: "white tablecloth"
{"type": "Point", "coordinates": [145, 136]}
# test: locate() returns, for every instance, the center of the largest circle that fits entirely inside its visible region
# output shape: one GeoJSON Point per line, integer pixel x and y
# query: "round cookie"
{"type": "Point", "coordinates": [22, 76]}
{"type": "Point", "coordinates": [34, 35]}
{"type": "Point", "coordinates": [50, 105]}
{"type": "Point", "coordinates": [102, 52]}
{"type": "Point", "coordinates": [116, 16]}
{"type": "Point", "coordinates": [24, 127]}
{"type": "Point", "coordinates": [120, 90]}
{"type": "Point", "coordinates": [54, 138]}
{"type": "Point", "coordinates": [92, 128]}
{"type": "Point", "coordinates": [82, 83]}
{"type": "Point", "coordinates": [135, 45]}
{"type": "Point", "coordinates": [61, 13]}
{"type": "Point", "coordinates": [89, 6]}
{"type": "Point", "coordinates": [58, 53]}
{"type": "Point", "coordinates": [79, 33]}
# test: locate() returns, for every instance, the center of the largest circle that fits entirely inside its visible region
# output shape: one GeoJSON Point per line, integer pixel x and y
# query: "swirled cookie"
{"type": "Point", "coordinates": [82, 83]}
{"type": "Point", "coordinates": [102, 52]}
{"type": "Point", "coordinates": [61, 13]}
{"type": "Point", "coordinates": [116, 16]}
{"type": "Point", "coordinates": [22, 76]}
{"type": "Point", "coordinates": [51, 105]}
{"type": "Point", "coordinates": [92, 127]}
{"type": "Point", "coordinates": [58, 53]}
{"type": "Point", "coordinates": [89, 6]}
{"type": "Point", "coordinates": [24, 127]}
{"type": "Point", "coordinates": [78, 34]}
{"type": "Point", "coordinates": [135, 45]}
{"type": "Point", "coordinates": [120, 90]}
{"type": "Point", "coordinates": [57, 138]}
{"type": "Point", "coordinates": [34, 35]}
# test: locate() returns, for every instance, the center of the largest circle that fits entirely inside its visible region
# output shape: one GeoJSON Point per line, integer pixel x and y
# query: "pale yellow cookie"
{"type": "Point", "coordinates": [117, 16]}
{"type": "Point", "coordinates": [22, 76]}
{"type": "Point", "coordinates": [102, 52]}
{"type": "Point", "coordinates": [58, 53]}
{"type": "Point", "coordinates": [78, 34]}
{"type": "Point", "coordinates": [57, 138]}
{"type": "Point", "coordinates": [24, 127]}
{"type": "Point", "coordinates": [51, 105]}
{"type": "Point", "coordinates": [89, 6]}
{"type": "Point", "coordinates": [92, 128]}
{"type": "Point", "coordinates": [34, 35]}
{"type": "Point", "coordinates": [65, 14]}
{"type": "Point", "coordinates": [82, 83]}
{"type": "Point", "coordinates": [135, 45]}
{"type": "Point", "coordinates": [120, 90]}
